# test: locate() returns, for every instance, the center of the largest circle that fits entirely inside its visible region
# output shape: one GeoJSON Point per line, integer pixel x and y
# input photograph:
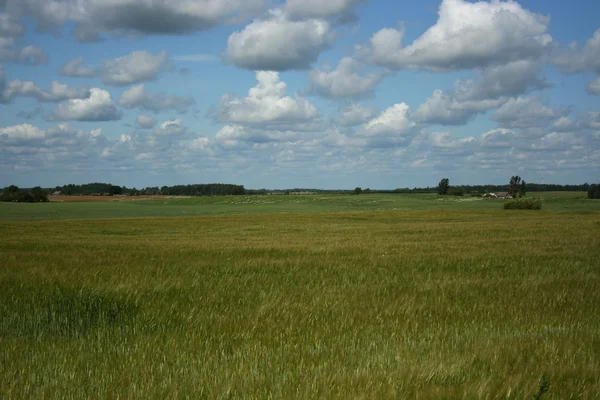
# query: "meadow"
{"type": "Point", "coordinates": [307, 297]}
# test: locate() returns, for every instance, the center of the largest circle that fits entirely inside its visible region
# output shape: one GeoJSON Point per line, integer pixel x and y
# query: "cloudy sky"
{"type": "Point", "coordinates": [299, 93]}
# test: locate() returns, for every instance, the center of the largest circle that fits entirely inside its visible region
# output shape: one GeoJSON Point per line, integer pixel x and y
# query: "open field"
{"type": "Point", "coordinates": [225, 205]}
{"type": "Point", "coordinates": [371, 297]}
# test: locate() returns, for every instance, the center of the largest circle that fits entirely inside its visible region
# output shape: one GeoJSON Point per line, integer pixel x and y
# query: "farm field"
{"type": "Point", "coordinates": [91, 207]}
{"type": "Point", "coordinates": [308, 297]}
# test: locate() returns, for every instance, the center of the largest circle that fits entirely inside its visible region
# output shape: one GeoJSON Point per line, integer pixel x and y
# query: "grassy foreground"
{"type": "Point", "coordinates": [380, 304]}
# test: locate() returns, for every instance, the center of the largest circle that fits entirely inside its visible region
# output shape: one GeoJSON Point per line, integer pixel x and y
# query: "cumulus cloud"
{"type": "Point", "coordinates": [277, 43]}
{"type": "Point", "coordinates": [138, 66]}
{"type": "Point", "coordinates": [24, 132]}
{"type": "Point", "coordinates": [231, 136]}
{"type": "Point", "coordinates": [527, 112]}
{"type": "Point", "coordinates": [395, 126]}
{"type": "Point", "coordinates": [491, 89]}
{"type": "Point", "coordinates": [11, 31]}
{"type": "Point", "coordinates": [97, 107]}
{"type": "Point", "coordinates": [339, 9]}
{"type": "Point", "coordinates": [57, 91]}
{"type": "Point", "coordinates": [455, 42]}
{"type": "Point", "coordinates": [92, 17]}
{"type": "Point", "coordinates": [145, 122]}
{"type": "Point", "coordinates": [594, 87]}
{"type": "Point", "coordinates": [354, 114]}
{"type": "Point", "coordinates": [137, 97]}
{"type": "Point", "coordinates": [578, 58]}
{"type": "Point", "coordinates": [442, 109]}
{"type": "Point", "coordinates": [171, 127]}
{"type": "Point", "coordinates": [344, 82]}
{"type": "Point", "coordinates": [265, 103]}
{"type": "Point", "coordinates": [76, 68]}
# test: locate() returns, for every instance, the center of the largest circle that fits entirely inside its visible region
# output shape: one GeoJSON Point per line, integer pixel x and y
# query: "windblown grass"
{"type": "Point", "coordinates": [379, 304]}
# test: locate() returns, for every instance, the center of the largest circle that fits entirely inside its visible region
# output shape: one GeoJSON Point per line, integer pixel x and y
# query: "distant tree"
{"type": "Point", "coordinates": [523, 189]}
{"type": "Point", "coordinates": [443, 186]}
{"type": "Point", "coordinates": [38, 195]}
{"type": "Point", "coordinates": [358, 190]}
{"type": "Point", "coordinates": [594, 191]}
{"type": "Point", "coordinates": [456, 191]}
{"type": "Point", "coordinates": [514, 185]}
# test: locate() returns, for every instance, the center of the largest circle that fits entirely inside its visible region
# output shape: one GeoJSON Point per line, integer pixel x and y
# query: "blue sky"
{"type": "Point", "coordinates": [299, 93]}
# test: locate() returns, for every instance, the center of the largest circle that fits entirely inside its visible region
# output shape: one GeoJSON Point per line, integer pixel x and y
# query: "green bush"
{"type": "Point", "coordinates": [524, 203]}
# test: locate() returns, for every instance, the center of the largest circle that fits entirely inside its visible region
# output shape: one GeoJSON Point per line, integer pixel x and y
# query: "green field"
{"type": "Point", "coordinates": [226, 205]}
{"type": "Point", "coordinates": [305, 297]}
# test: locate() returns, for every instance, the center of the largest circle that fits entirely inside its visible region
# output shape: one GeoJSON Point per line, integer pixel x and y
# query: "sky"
{"type": "Point", "coordinates": [299, 93]}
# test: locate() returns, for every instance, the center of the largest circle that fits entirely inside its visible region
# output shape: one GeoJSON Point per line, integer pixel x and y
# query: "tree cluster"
{"type": "Point", "coordinates": [594, 191]}
{"type": "Point", "coordinates": [211, 189]}
{"type": "Point", "coordinates": [13, 193]}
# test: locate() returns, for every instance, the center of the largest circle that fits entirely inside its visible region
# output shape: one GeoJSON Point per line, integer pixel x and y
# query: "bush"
{"type": "Point", "coordinates": [594, 192]}
{"type": "Point", "coordinates": [524, 203]}
{"type": "Point", "coordinates": [456, 191]}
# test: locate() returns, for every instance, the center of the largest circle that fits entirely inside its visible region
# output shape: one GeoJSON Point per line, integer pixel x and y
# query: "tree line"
{"type": "Point", "coordinates": [211, 189]}
{"type": "Point", "coordinates": [480, 189]}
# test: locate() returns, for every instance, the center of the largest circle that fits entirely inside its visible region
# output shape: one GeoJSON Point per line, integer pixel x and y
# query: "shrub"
{"type": "Point", "coordinates": [456, 191]}
{"type": "Point", "coordinates": [524, 203]}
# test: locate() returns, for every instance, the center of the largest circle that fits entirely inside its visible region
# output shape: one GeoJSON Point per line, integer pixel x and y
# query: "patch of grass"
{"type": "Point", "coordinates": [523, 203]}
{"type": "Point", "coordinates": [373, 304]}
{"type": "Point", "coordinates": [226, 205]}
{"type": "Point", "coordinates": [53, 312]}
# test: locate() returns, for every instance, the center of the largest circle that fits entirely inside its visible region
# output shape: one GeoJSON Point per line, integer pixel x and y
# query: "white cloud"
{"type": "Point", "coordinates": [393, 127]}
{"type": "Point", "coordinates": [76, 68]}
{"type": "Point", "coordinates": [11, 31]}
{"type": "Point", "coordinates": [354, 114]}
{"type": "Point", "coordinates": [135, 16]}
{"type": "Point", "coordinates": [136, 96]}
{"type": "Point", "coordinates": [498, 138]}
{"type": "Point", "coordinates": [442, 109]}
{"type": "Point", "coordinates": [266, 103]}
{"type": "Point", "coordinates": [277, 43]}
{"type": "Point", "coordinates": [578, 59]}
{"type": "Point", "coordinates": [341, 9]}
{"type": "Point", "coordinates": [22, 132]}
{"type": "Point", "coordinates": [345, 81]}
{"type": "Point", "coordinates": [57, 91]}
{"type": "Point", "coordinates": [138, 66]}
{"type": "Point", "coordinates": [98, 107]}
{"type": "Point", "coordinates": [455, 42]}
{"type": "Point", "coordinates": [170, 128]}
{"type": "Point", "coordinates": [527, 112]}
{"type": "Point", "coordinates": [594, 87]}
{"type": "Point", "coordinates": [145, 122]}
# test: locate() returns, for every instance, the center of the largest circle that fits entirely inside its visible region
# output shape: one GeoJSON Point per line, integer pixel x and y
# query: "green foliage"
{"type": "Point", "coordinates": [523, 189]}
{"type": "Point", "coordinates": [543, 387]}
{"type": "Point", "coordinates": [523, 203]}
{"type": "Point", "coordinates": [594, 191]}
{"type": "Point", "coordinates": [514, 185]}
{"type": "Point", "coordinates": [443, 186]}
{"type": "Point", "coordinates": [456, 191]}
{"type": "Point", "coordinates": [14, 194]}
{"type": "Point", "coordinates": [358, 190]}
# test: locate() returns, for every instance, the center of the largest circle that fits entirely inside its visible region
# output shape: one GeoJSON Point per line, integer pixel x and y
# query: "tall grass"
{"type": "Point", "coordinates": [385, 304]}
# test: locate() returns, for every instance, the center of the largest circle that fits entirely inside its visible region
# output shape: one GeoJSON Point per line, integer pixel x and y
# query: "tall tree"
{"type": "Point", "coordinates": [443, 186]}
{"type": "Point", "coordinates": [515, 182]}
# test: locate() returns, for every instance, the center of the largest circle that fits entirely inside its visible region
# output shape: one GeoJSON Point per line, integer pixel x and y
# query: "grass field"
{"type": "Point", "coordinates": [309, 297]}
{"type": "Point", "coordinates": [226, 205]}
